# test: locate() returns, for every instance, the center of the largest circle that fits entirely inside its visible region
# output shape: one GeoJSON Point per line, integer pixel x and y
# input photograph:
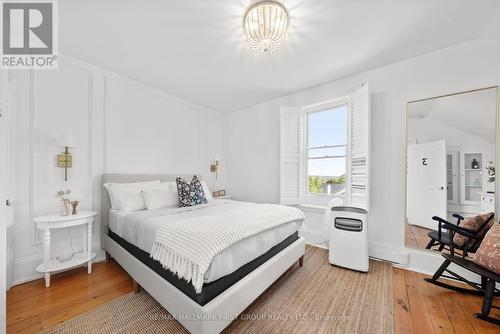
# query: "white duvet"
{"type": "Point", "coordinates": [141, 228]}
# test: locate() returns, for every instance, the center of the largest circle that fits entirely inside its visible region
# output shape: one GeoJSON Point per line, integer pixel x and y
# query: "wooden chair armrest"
{"type": "Point", "coordinates": [466, 232]}
{"type": "Point", "coordinates": [459, 218]}
{"type": "Point", "coordinates": [462, 231]}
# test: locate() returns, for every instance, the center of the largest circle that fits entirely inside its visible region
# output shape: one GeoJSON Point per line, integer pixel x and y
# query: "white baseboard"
{"type": "Point", "coordinates": [24, 269]}
{"type": "Point", "coordinates": [427, 262]}
{"type": "Point", "coordinates": [418, 260]}
{"type": "Point", "coordinates": [388, 253]}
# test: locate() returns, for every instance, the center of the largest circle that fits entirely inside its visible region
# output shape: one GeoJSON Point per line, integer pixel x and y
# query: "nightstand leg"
{"type": "Point", "coordinates": [47, 280]}
{"type": "Point", "coordinates": [85, 249]}
{"type": "Point", "coordinates": [85, 239]}
{"type": "Point", "coordinates": [46, 255]}
{"type": "Point", "coordinates": [89, 247]}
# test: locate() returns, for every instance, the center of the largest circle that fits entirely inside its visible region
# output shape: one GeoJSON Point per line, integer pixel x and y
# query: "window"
{"type": "Point", "coordinates": [326, 151]}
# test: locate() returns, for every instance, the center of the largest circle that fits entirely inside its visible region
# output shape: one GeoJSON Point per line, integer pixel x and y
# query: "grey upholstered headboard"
{"type": "Point", "coordinates": [124, 178]}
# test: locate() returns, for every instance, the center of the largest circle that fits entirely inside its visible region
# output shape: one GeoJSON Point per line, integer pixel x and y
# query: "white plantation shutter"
{"type": "Point", "coordinates": [360, 148]}
{"type": "Point", "coordinates": [290, 155]}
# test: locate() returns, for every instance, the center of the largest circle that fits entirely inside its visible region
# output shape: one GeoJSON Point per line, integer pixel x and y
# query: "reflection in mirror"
{"type": "Point", "coordinates": [450, 168]}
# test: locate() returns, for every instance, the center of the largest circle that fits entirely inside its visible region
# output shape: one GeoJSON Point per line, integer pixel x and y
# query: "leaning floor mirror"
{"type": "Point", "coordinates": [450, 167]}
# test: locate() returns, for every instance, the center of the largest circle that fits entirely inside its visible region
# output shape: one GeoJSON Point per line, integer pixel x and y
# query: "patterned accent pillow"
{"type": "Point", "coordinates": [487, 217]}
{"type": "Point", "coordinates": [190, 194]}
{"type": "Point", "coordinates": [488, 254]}
{"type": "Point", "coordinates": [471, 223]}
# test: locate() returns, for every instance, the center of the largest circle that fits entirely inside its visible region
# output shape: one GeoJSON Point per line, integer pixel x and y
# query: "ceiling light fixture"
{"type": "Point", "coordinates": [266, 24]}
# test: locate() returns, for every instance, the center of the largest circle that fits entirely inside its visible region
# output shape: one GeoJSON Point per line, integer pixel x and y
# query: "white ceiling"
{"type": "Point", "coordinates": [195, 49]}
{"type": "Point", "coordinates": [473, 113]}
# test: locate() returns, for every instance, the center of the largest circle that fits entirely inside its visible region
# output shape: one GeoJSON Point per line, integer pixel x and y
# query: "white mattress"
{"type": "Point", "coordinates": [138, 229]}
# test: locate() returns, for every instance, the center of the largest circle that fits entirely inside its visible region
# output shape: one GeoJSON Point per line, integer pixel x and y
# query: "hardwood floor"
{"type": "Point", "coordinates": [32, 307]}
{"type": "Point", "coordinates": [419, 307]}
{"type": "Point", "coordinates": [416, 236]}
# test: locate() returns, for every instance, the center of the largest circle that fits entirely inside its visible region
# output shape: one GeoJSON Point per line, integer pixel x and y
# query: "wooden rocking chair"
{"type": "Point", "coordinates": [443, 239]}
{"type": "Point", "coordinates": [488, 278]}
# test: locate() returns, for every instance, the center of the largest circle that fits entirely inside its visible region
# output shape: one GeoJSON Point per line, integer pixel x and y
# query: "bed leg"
{"type": "Point", "coordinates": [135, 286]}
{"type": "Point", "coordinates": [301, 261]}
{"type": "Point", "coordinates": [108, 256]}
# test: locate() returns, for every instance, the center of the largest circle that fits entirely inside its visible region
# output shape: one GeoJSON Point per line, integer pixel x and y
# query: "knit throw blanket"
{"type": "Point", "coordinates": [187, 247]}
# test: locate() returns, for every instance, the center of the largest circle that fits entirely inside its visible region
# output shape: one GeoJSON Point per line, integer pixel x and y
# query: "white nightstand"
{"type": "Point", "coordinates": [223, 197]}
{"type": "Point", "coordinates": [46, 223]}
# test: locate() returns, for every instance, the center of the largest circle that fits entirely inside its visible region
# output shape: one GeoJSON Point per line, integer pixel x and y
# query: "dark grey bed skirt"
{"type": "Point", "coordinates": [209, 290]}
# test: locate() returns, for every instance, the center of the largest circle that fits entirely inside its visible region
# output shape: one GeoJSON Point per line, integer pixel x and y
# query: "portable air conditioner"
{"type": "Point", "coordinates": [349, 238]}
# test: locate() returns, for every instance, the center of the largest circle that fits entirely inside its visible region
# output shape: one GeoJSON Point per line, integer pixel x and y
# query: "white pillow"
{"type": "Point", "coordinates": [163, 185]}
{"type": "Point", "coordinates": [206, 191]}
{"type": "Point", "coordinates": [159, 198]}
{"type": "Point", "coordinates": [132, 187]}
{"type": "Point", "coordinates": [126, 201]}
{"type": "Point", "coordinates": [172, 185]}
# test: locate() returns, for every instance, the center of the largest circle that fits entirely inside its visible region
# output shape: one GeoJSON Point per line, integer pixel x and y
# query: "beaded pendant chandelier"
{"type": "Point", "coordinates": [266, 25]}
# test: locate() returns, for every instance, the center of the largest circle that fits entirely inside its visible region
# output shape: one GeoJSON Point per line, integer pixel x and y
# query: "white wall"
{"type": "Point", "coordinates": [120, 126]}
{"type": "Point", "coordinates": [253, 135]}
{"type": "Point", "coordinates": [426, 130]}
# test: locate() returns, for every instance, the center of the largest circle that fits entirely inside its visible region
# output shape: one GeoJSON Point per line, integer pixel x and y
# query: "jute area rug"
{"type": "Point", "coordinates": [315, 298]}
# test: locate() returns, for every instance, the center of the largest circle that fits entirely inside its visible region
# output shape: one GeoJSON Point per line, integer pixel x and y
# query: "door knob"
{"type": "Point", "coordinates": [442, 188]}
{"type": "Point", "coordinates": [8, 202]}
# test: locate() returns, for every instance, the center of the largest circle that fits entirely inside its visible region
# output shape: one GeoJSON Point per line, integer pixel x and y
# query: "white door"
{"type": "Point", "coordinates": [426, 182]}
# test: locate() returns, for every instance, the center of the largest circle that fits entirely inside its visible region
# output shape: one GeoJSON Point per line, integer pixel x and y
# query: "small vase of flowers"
{"type": "Point", "coordinates": [63, 195]}
{"type": "Point", "coordinates": [74, 204]}
{"type": "Point", "coordinates": [491, 175]}
{"type": "Point", "coordinates": [490, 169]}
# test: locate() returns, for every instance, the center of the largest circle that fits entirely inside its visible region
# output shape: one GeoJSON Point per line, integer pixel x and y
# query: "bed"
{"type": "Point", "coordinates": [235, 278]}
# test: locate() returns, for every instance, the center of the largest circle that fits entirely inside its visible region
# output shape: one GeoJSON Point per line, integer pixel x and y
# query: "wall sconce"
{"type": "Point", "coordinates": [65, 160]}
{"type": "Point", "coordinates": [215, 168]}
